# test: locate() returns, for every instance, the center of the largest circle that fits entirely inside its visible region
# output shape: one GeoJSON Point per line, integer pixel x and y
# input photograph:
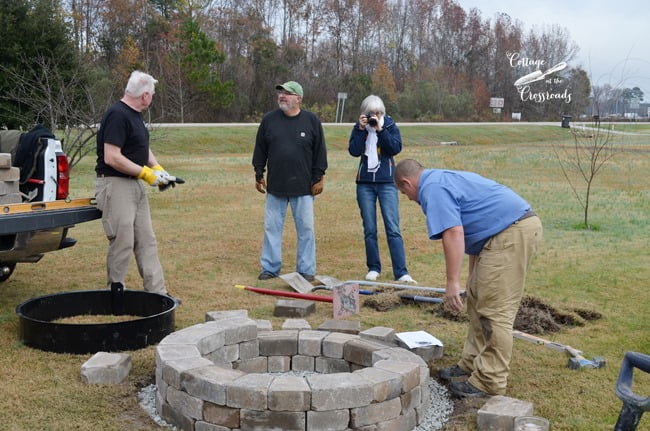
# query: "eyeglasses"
{"type": "Point", "coordinates": [286, 93]}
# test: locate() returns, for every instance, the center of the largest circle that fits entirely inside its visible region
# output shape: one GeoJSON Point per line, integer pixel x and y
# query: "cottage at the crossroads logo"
{"type": "Point", "coordinates": [530, 86]}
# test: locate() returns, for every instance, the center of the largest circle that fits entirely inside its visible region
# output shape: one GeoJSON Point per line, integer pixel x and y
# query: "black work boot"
{"type": "Point", "coordinates": [451, 373]}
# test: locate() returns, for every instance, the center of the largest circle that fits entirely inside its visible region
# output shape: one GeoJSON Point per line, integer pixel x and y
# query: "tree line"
{"type": "Point", "coordinates": [64, 61]}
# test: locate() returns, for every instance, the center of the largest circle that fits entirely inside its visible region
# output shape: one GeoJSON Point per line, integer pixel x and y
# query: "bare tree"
{"type": "Point", "coordinates": [593, 147]}
{"type": "Point", "coordinates": [64, 103]}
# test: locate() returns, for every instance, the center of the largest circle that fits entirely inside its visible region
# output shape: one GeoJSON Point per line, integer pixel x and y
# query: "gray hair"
{"type": "Point", "coordinates": [140, 83]}
{"type": "Point", "coordinates": [373, 103]}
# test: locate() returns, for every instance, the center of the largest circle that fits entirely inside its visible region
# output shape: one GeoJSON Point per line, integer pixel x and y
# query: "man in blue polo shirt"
{"type": "Point", "coordinates": [500, 232]}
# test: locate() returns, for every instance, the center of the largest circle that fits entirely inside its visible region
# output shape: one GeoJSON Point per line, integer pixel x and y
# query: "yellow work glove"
{"type": "Point", "coordinates": [152, 177]}
{"type": "Point", "coordinates": [166, 176]}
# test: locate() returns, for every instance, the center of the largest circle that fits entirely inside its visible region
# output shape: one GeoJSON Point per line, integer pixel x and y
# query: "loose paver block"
{"type": "Point", "coordinates": [293, 308]}
{"type": "Point", "coordinates": [345, 326]}
{"type": "Point", "coordinates": [298, 324]}
{"type": "Point", "coordinates": [379, 333]}
{"type": "Point", "coordinates": [106, 368]}
{"type": "Point", "coordinates": [499, 413]}
{"type": "Point", "coordinates": [225, 314]}
{"type": "Point", "coordinates": [360, 351]}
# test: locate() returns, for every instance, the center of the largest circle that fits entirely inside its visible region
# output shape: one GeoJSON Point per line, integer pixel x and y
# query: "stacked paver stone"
{"type": "Point", "coordinates": [232, 373]}
{"type": "Point", "coordinates": [9, 181]}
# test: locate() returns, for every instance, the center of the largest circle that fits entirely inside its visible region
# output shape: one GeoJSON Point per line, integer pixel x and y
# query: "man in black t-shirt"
{"type": "Point", "coordinates": [124, 157]}
{"type": "Point", "coordinates": [290, 144]}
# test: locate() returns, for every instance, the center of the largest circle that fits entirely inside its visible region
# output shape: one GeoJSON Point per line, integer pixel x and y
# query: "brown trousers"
{"type": "Point", "coordinates": [127, 224]}
{"type": "Point", "coordinates": [495, 289]}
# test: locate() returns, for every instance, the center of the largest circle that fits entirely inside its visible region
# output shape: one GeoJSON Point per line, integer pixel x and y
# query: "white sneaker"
{"type": "Point", "coordinates": [372, 275]}
{"type": "Point", "coordinates": [407, 279]}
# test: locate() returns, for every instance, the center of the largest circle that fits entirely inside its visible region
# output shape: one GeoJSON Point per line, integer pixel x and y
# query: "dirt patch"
{"type": "Point", "coordinates": [534, 316]}
{"type": "Point", "coordinates": [537, 317]}
{"type": "Point", "coordinates": [384, 301]}
{"type": "Point", "coordinates": [91, 319]}
{"type": "Point", "coordinates": [465, 410]}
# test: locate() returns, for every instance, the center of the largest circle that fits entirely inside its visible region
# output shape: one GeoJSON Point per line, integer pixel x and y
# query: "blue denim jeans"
{"type": "Point", "coordinates": [275, 211]}
{"type": "Point", "coordinates": [386, 193]}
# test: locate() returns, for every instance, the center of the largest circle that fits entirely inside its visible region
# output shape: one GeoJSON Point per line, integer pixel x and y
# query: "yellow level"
{"type": "Point", "coordinates": [49, 205]}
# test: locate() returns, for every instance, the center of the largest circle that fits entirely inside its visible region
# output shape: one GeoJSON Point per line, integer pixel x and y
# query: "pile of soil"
{"type": "Point", "coordinates": [534, 315]}
{"type": "Point", "coordinates": [383, 301]}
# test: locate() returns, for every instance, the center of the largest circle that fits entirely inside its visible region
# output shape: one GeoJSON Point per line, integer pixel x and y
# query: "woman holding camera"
{"type": "Point", "coordinates": [375, 138]}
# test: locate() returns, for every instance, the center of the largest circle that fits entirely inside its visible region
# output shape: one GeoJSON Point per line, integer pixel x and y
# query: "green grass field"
{"type": "Point", "coordinates": [210, 232]}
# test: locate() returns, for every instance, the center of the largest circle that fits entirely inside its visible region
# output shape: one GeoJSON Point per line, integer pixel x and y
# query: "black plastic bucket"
{"type": "Point", "coordinates": [155, 321]}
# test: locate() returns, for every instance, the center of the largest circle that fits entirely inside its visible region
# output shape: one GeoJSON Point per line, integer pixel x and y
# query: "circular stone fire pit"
{"type": "Point", "coordinates": [226, 374]}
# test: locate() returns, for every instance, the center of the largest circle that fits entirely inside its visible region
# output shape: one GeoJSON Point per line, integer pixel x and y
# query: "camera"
{"type": "Point", "coordinates": [371, 121]}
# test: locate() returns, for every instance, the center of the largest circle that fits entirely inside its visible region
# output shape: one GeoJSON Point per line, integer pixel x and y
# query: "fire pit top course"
{"type": "Point", "coordinates": [227, 373]}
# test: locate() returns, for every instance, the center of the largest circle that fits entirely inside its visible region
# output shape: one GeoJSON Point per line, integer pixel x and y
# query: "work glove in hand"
{"type": "Point", "coordinates": [164, 174]}
{"type": "Point", "coordinates": [261, 185]}
{"type": "Point", "coordinates": [152, 177]}
{"type": "Point", "coordinates": [177, 180]}
{"type": "Point", "coordinates": [317, 188]}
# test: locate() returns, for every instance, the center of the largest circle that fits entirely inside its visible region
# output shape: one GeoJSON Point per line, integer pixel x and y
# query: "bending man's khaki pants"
{"type": "Point", "coordinates": [495, 289]}
{"type": "Point", "coordinates": [127, 224]}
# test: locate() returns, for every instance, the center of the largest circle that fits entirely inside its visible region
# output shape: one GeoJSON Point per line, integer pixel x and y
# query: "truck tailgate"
{"type": "Point", "coordinates": [16, 218]}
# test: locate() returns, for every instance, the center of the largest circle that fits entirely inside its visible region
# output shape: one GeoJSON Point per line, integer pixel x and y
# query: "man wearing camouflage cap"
{"type": "Point", "coordinates": [290, 147]}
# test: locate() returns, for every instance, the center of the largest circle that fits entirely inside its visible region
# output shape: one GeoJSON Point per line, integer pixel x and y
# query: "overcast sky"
{"type": "Point", "coordinates": [613, 36]}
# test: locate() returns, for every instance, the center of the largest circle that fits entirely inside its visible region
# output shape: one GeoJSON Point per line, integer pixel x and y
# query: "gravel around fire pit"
{"type": "Point", "coordinates": [437, 415]}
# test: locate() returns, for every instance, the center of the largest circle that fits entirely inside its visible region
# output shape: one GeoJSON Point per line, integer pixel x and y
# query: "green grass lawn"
{"type": "Point", "coordinates": [210, 232]}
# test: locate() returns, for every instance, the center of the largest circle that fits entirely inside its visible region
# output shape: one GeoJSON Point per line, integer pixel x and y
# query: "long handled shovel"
{"type": "Point", "coordinates": [286, 294]}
